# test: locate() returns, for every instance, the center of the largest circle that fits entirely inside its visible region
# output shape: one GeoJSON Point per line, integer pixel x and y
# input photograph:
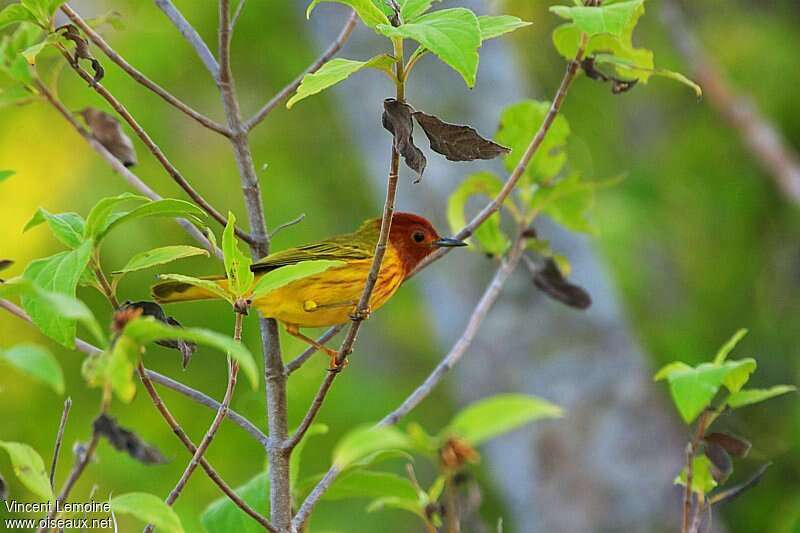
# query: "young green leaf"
{"type": "Point", "coordinates": [491, 238]}
{"type": "Point", "coordinates": [119, 368]}
{"type": "Point", "coordinates": [751, 396]}
{"type": "Point", "coordinates": [411, 9]}
{"type": "Point", "coordinates": [728, 347]}
{"type": "Point", "coordinates": [626, 65]}
{"type": "Point", "coordinates": [159, 256]}
{"type": "Point", "coordinates": [335, 71]}
{"type": "Point", "coordinates": [367, 11]}
{"type": "Point", "coordinates": [164, 208]}
{"type": "Point", "coordinates": [29, 468]}
{"type": "Point", "coordinates": [365, 440]}
{"type": "Point", "coordinates": [237, 263]}
{"type": "Point", "coordinates": [14, 14]}
{"type": "Point", "coordinates": [205, 284]}
{"type": "Point", "coordinates": [277, 278]}
{"type": "Point", "coordinates": [702, 479]}
{"type": "Point", "coordinates": [5, 174]}
{"type": "Point", "coordinates": [224, 515]}
{"type": "Point", "coordinates": [145, 330]}
{"type": "Point", "coordinates": [491, 417]}
{"type": "Point", "coordinates": [605, 19]}
{"type": "Point", "coordinates": [68, 228]}
{"type": "Point", "coordinates": [569, 199]}
{"type": "Point", "coordinates": [412, 506]}
{"type": "Point", "coordinates": [495, 26]}
{"type": "Point", "coordinates": [366, 484]}
{"type": "Point", "coordinates": [36, 362]}
{"type": "Point", "coordinates": [454, 35]}
{"type": "Point", "coordinates": [101, 214]}
{"type": "Point", "coordinates": [58, 273]}
{"type": "Point", "coordinates": [149, 509]}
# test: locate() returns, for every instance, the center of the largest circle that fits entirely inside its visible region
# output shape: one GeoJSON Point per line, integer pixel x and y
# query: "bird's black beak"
{"type": "Point", "coordinates": [447, 242]}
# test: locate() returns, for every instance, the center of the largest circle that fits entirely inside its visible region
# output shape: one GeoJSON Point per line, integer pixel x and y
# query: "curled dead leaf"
{"type": "Point", "coordinates": [108, 131]}
{"type": "Point", "coordinates": [618, 86]}
{"type": "Point", "coordinates": [456, 453]}
{"type": "Point", "coordinates": [721, 464]}
{"type": "Point", "coordinates": [154, 310]}
{"type": "Point", "coordinates": [551, 281]}
{"type": "Point", "coordinates": [127, 441]}
{"type": "Point", "coordinates": [457, 142]}
{"type": "Point", "coordinates": [736, 446]}
{"type": "Point", "coordinates": [397, 120]}
{"type": "Point", "coordinates": [72, 33]}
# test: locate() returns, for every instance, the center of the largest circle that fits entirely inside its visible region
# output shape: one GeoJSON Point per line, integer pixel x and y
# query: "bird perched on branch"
{"type": "Point", "coordinates": [330, 297]}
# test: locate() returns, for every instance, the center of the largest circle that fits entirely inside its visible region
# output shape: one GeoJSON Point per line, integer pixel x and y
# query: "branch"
{"type": "Point", "coordinates": [300, 360]}
{"type": "Point", "coordinates": [59, 440]}
{"type": "Point", "coordinates": [139, 76]}
{"type": "Point", "coordinates": [760, 136]}
{"type": "Point", "coordinates": [519, 170]}
{"type": "Point", "coordinates": [480, 312]}
{"type": "Point", "coordinates": [191, 35]}
{"type": "Point", "coordinates": [204, 399]}
{"type": "Point", "coordinates": [326, 56]}
{"type": "Point", "coordinates": [173, 172]}
{"type": "Point", "coordinates": [117, 166]}
{"type": "Point", "coordinates": [289, 223]}
{"type": "Point", "coordinates": [233, 371]}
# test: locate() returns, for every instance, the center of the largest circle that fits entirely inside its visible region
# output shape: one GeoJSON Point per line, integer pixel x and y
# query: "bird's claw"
{"type": "Point", "coordinates": [359, 315]}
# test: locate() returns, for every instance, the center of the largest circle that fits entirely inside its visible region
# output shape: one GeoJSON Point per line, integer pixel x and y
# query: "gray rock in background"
{"type": "Point", "coordinates": [608, 465]}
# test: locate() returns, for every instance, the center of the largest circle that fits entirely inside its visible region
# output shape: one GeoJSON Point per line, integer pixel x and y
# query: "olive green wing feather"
{"type": "Point", "coordinates": [340, 248]}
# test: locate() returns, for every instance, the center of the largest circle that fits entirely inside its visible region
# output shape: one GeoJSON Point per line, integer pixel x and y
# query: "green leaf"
{"type": "Point", "coordinates": [60, 274]}
{"type": "Point", "coordinates": [36, 362]}
{"type": "Point", "coordinates": [366, 440]}
{"type": "Point", "coordinates": [366, 484]}
{"type": "Point", "coordinates": [164, 208]}
{"type": "Point", "coordinates": [489, 418]}
{"type": "Point", "coordinates": [149, 509]}
{"type": "Point", "coordinates": [29, 468]}
{"type": "Point", "coordinates": [14, 14]}
{"type": "Point", "coordinates": [728, 347]}
{"type": "Point", "coordinates": [518, 124]}
{"type": "Point", "coordinates": [335, 71]}
{"type": "Point", "coordinates": [454, 35]}
{"type": "Point", "coordinates": [100, 215]}
{"type": "Point", "coordinates": [491, 238]}
{"type": "Point", "coordinates": [5, 174]}
{"type": "Point", "coordinates": [412, 506]}
{"type": "Point", "coordinates": [606, 19]}
{"type": "Point", "coordinates": [297, 453]}
{"type": "Point", "coordinates": [627, 65]}
{"type": "Point", "coordinates": [160, 256]}
{"type": "Point", "coordinates": [205, 284]}
{"type": "Point", "coordinates": [224, 515]}
{"type": "Point", "coordinates": [146, 330]}
{"type": "Point", "coordinates": [367, 11]}
{"type": "Point", "coordinates": [702, 478]}
{"type": "Point", "coordinates": [568, 200]}
{"type": "Point", "coordinates": [751, 396]}
{"type": "Point", "coordinates": [68, 228]}
{"type": "Point", "coordinates": [411, 9]}
{"type": "Point", "coordinates": [692, 389]}
{"type": "Point", "coordinates": [119, 366]}
{"type": "Point", "coordinates": [237, 263]}
{"type": "Point", "coordinates": [276, 279]}
{"type": "Point", "coordinates": [495, 26]}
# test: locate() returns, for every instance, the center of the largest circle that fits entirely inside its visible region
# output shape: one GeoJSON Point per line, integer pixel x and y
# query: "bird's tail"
{"type": "Point", "coordinates": [177, 291]}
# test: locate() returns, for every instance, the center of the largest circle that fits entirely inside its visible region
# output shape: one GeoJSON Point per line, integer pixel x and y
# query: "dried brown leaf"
{"type": "Point", "coordinates": [397, 120]}
{"type": "Point", "coordinates": [721, 464]}
{"type": "Point", "coordinates": [154, 310]}
{"type": "Point", "coordinates": [551, 281]}
{"type": "Point", "coordinates": [127, 441]}
{"type": "Point", "coordinates": [457, 142]}
{"type": "Point", "coordinates": [108, 131]}
{"type": "Point", "coordinates": [618, 86]}
{"type": "Point", "coordinates": [736, 446]}
{"type": "Point", "coordinates": [71, 33]}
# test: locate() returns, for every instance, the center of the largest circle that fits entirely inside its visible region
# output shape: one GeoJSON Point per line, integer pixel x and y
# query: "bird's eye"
{"type": "Point", "coordinates": [418, 236]}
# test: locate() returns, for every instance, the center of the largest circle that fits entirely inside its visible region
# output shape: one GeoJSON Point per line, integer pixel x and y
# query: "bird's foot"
{"type": "Point", "coordinates": [360, 314]}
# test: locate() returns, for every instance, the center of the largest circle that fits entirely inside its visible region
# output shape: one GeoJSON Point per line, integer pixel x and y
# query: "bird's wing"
{"type": "Point", "coordinates": [341, 248]}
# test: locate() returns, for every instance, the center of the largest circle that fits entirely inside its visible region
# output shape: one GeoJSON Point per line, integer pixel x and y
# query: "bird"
{"type": "Point", "coordinates": [330, 297]}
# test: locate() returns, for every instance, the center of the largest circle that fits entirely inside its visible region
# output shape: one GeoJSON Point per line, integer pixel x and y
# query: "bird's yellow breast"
{"type": "Point", "coordinates": [330, 297]}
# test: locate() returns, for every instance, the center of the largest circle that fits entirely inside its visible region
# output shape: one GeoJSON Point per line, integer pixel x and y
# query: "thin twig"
{"type": "Point", "coordinates": [173, 172]}
{"type": "Point", "coordinates": [191, 35]}
{"type": "Point", "coordinates": [289, 223]}
{"type": "Point", "coordinates": [59, 440]}
{"type": "Point", "coordinates": [145, 376]}
{"type": "Point", "coordinates": [233, 371]}
{"type": "Point", "coordinates": [758, 133]}
{"type": "Point", "coordinates": [326, 56]}
{"type": "Point", "coordinates": [116, 165]}
{"type": "Point", "coordinates": [689, 511]}
{"type": "Point", "coordinates": [204, 399]}
{"type": "Point", "coordinates": [300, 360]}
{"type": "Point", "coordinates": [519, 170]}
{"type": "Point", "coordinates": [480, 312]}
{"type": "Point", "coordinates": [237, 13]}
{"type": "Point", "coordinates": [138, 76]}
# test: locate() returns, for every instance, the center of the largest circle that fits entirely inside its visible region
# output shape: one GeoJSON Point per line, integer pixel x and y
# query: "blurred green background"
{"type": "Point", "coordinates": [698, 239]}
